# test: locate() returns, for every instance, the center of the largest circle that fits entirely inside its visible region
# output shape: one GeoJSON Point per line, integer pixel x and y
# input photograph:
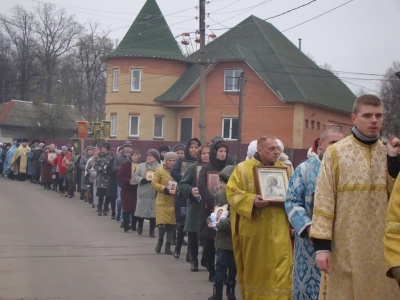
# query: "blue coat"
{"type": "Point", "coordinates": [299, 209]}
{"type": "Point", "coordinates": [31, 165]}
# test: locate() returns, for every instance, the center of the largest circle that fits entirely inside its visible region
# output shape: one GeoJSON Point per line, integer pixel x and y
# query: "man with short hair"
{"type": "Point", "coordinates": [260, 232]}
{"type": "Point", "coordinates": [351, 199]}
{"type": "Point", "coordinates": [299, 209]}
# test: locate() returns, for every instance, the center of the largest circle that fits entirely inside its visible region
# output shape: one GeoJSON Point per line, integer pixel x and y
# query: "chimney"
{"type": "Point", "coordinates": [300, 44]}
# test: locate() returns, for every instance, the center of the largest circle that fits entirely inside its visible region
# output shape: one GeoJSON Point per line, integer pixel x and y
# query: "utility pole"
{"type": "Point", "coordinates": [202, 62]}
{"type": "Point", "coordinates": [240, 118]}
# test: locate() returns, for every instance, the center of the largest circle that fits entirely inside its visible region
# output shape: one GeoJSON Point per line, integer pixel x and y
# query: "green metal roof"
{"type": "Point", "coordinates": [149, 36]}
{"type": "Point", "coordinates": [291, 74]}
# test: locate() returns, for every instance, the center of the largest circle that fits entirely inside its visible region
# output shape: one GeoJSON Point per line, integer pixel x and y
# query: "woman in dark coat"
{"type": "Point", "coordinates": [47, 167]}
{"type": "Point", "coordinates": [218, 157]}
{"type": "Point", "coordinates": [180, 200]}
{"type": "Point", "coordinates": [128, 190]}
{"type": "Point", "coordinates": [188, 188]}
{"type": "Point", "coordinates": [111, 193]}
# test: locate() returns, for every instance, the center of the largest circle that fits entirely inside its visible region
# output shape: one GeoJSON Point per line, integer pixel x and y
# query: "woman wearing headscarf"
{"type": "Point", "coordinates": [48, 157]}
{"type": "Point", "coordinates": [189, 157]}
{"type": "Point", "coordinates": [188, 188]}
{"type": "Point", "coordinates": [165, 205]}
{"type": "Point", "coordinates": [129, 190]}
{"type": "Point", "coordinates": [62, 171]}
{"type": "Point", "coordinates": [146, 202]}
{"type": "Point", "coordinates": [218, 158]}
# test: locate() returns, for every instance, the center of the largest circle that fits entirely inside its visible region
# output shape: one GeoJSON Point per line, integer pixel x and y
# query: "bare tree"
{"type": "Point", "coordinates": [390, 94]}
{"type": "Point", "coordinates": [20, 31]}
{"type": "Point", "coordinates": [7, 70]}
{"type": "Point", "coordinates": [57, 32]}
{"type": "Point", "coordinates": [91, 49]}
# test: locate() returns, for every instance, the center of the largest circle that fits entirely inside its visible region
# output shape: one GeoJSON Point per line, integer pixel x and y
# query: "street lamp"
{"type": "Point", "coordinates": [397, 75]}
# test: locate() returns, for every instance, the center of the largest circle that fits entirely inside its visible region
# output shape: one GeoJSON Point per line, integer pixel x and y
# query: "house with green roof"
{"type": "Point", "coordinates": [153, 89]}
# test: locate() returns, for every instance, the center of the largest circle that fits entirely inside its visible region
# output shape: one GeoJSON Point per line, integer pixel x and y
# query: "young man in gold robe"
{"type": "Point", "coordinates": [260, 231]}
{"type": "Point", "coordinates": [391, 240]}
{"type": "Point", "coordinates": [19, 162]}
{"type": "Point", "coordinates": [351, 199]}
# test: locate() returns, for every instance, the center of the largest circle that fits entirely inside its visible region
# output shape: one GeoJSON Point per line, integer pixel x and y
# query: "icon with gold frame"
{"type": "Point", "coordinates": [271, 183]}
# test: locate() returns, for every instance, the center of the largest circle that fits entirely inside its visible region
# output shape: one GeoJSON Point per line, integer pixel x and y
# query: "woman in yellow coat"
{"type": "Point", "coordinates": [165, 186]}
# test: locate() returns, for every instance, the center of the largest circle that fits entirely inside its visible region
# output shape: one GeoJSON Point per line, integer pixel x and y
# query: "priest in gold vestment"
{"type": "Point", "coordinates": [19, 162]}
{"type": "Point", "coordinates": [350, 204]}
{"type": "Point", "coordinates": [260, 231]}
{"type": "Point", "coordinates": [391, 240]}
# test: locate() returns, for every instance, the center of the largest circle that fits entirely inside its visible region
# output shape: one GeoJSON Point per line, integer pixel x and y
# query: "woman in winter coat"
{"type": "Point", "coordinates": [111, 193]}
{"type": "Point", "coordinates": [129, 190]}
{"type": "Point", "coordinates": [92, 178]}
{"type": "Point", "coordinates": [146, 202]}
{"type": "Point", "coordinates": [31, 165]}
{"type": "Point", "coordinates": [218, 157]}
{"type": "Point", "coordinates": [188, 188]}
{"type": "Point", "coordinates": [102, 166]}
{"type": "Point", "coordinates": [47, 177]}
{"type": "Point", "coordinates": [190, 156]}
{"type": "Point", "coordinates": [88, 153]}
{"type": "Point", "coordinates": [165, 204]}
{"type": "Point", "coordinates": [62, 171]}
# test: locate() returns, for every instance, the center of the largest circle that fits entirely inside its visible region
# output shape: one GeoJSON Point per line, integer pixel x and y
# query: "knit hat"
{"type": "Point", "coordinates": [252, 149]}
{"type": "Point", "coordinates": [106, 145]}
{"type": "Point", "coordinates": [178, 147]}
{"type": "Point", "coordinates": [155, 153]}
{"type": "Point", "coordinates": [63, 148]}
{"type": "Point", "coordinates": [226, 173]}
{"type": "Point", "coordinates": [280, 144]}
{"type": "Point", "coordinates": [170, 155]}
{"type": "Point", "coordinates": [127, 144]}
{"type": "Point", "coordinates": [217, 139]}
{"type": "Point", "coordinates": [41, 145]}
{"type": "Point", "coordinates": [165, 148]}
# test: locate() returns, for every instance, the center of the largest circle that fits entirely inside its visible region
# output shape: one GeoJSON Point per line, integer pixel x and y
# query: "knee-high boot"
{"type": "Point", "coordinates": [152, 227]}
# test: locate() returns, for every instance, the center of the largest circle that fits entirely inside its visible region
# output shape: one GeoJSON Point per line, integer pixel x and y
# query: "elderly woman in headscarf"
{"type": "Point", "coordinates": [252, 149]}
{"type": "Point", "coordinates": [146, 202]}
{"type": "Point", "coordinates": [283, 157]}
{"type": "Point", "coordinates": [165, 186]}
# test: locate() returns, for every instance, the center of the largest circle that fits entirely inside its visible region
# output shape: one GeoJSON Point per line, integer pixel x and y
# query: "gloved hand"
{"type": "Point", "coordinates": [143, 181]}
{"type": "Point", "coordinates": [396, 274]}
{"type": "Point", "coordinates": [166, 191]}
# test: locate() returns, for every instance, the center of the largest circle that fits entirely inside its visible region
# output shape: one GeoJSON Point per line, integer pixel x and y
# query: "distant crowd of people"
{"type": "Point", "coordinates": [321, 231]}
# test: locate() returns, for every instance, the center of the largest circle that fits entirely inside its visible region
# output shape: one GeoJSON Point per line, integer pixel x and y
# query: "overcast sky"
{"type": "Point", "coordinates": [362, 36]}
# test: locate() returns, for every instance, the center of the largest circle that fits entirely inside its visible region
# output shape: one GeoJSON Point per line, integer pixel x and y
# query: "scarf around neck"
{"type": "Point", "coordinates": [362, 138]}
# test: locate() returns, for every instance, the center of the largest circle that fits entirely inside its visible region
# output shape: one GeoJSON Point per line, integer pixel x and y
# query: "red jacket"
{"type": "Point", "coordinates": [62, 168]}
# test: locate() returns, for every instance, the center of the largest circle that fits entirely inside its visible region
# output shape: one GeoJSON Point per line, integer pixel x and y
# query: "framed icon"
{"type": "Point", "coordinates": [149, 174]}
{"type": "Point", "coordinates": [213, 182]}
{"type": "Point", "coordinates": [271, 183]}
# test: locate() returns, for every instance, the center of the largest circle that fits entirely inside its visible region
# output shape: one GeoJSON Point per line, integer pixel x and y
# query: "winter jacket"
{"type": "Point", "coordinates": [180, 200]}
{"type": "Point", "coordinates": [119, 160]}
{"type": "Point", "coordinates": [102, 168]}
{"type": "Point", "coordinates": [128, 191]}
{"type": "Point", "coordinates": [113, 185]}
{"type": "Point", "coordinates": [207, 204]}
{"type": "Point", "coordinates": [146, 200]}
{"type": "Point", "coordinates": [82, 166]}
{"type": "Point", "coordinates": [165, 204]}
{"type": "Point", "coordinates": [31, 165]}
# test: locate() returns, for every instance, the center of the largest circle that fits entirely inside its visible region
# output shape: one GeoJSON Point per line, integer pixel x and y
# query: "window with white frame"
{"type": "Point", "coordinates": [232, 80]}
{"type": "Point", "coordinates": [113, 131]}
{"type": "Point", "coordinates": [158, 127]}
{"type": "Point", "coordinates": [134, 126]}
{"type": "Point", "coordinates": [115, 80]}
{"type": "Point", "coordinates": [230, 128]}
{"type": "Point", "coordinates": [136, 77]}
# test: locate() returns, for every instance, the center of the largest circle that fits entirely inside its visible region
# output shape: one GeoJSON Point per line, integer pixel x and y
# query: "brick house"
{"type": "Point", "coordinates": [153, 90]}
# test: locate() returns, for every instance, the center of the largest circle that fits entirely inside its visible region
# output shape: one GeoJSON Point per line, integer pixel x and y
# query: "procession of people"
{"type": "Point", "coordinates": [333, 232]}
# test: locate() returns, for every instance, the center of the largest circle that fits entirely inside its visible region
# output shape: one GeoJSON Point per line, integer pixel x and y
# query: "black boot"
{"type": "Point", "coordinates": [159, 245]}
{"type": "Point", "coordinates": [230, 291]}
{"type": "Point", "coordinates": [194, 266]}
{"type": "Point", "coordinates": [140, 229]}
{"type": "Point", "coordinates": [168, 249]}
{"type": "Point", "coordinates": [173, 242]}
{"type": "Point", "coordinates": [217, 291]}
{"type": "Point", "coordinates": [152, 227]}
{"type": "Point", "coordinates": [188, 254]}
{"type": "Point", "coordinates": [177, 251]}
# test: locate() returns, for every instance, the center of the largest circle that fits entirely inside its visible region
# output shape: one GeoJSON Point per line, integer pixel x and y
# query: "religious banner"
{"type": "Point", "coordinates": [82, 129]}
{"type": "Point", "coordinates": [106, 129]}
{"type": "Point", "coordinates": [96, 130]}
{"type": "Point", "coordinates": [75, 145]}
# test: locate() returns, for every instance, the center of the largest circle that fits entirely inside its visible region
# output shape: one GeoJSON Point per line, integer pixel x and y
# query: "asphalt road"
{"type": "Point", "coordinates": [53, 247]}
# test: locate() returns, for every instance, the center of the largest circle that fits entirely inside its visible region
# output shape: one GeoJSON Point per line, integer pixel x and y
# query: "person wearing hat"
{"type": "Point", "coordinates": [62, 162]}
{"type": "Point", "coordinates": [165, 205]}
{"type": "Point", "coordinates": [38, 166]}
{"type": "Point", "coordinates": [225, 260]}
{"type": "Point", "coordinates": [19, 162]}
{"type": "Point", "coordinates": [190, 157]}
{"type": "Point", "coordinates": [91, 191]}
{"type": "Point", "coordinates": [85, 157]}
{"type": "Point", "coordinates": [31, 165]}
{"type": "Point", "coordinates": [121, 158]}
{"type": "Point", "coordinates": [102, 179]}
{"type": "Point", "coordinates": [146, 202]}
{"type": "Point", "coordinates": [163, 150]}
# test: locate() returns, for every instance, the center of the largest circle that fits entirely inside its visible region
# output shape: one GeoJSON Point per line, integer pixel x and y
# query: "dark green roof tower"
{"type": "Point", "coordinates": [149, 36]}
